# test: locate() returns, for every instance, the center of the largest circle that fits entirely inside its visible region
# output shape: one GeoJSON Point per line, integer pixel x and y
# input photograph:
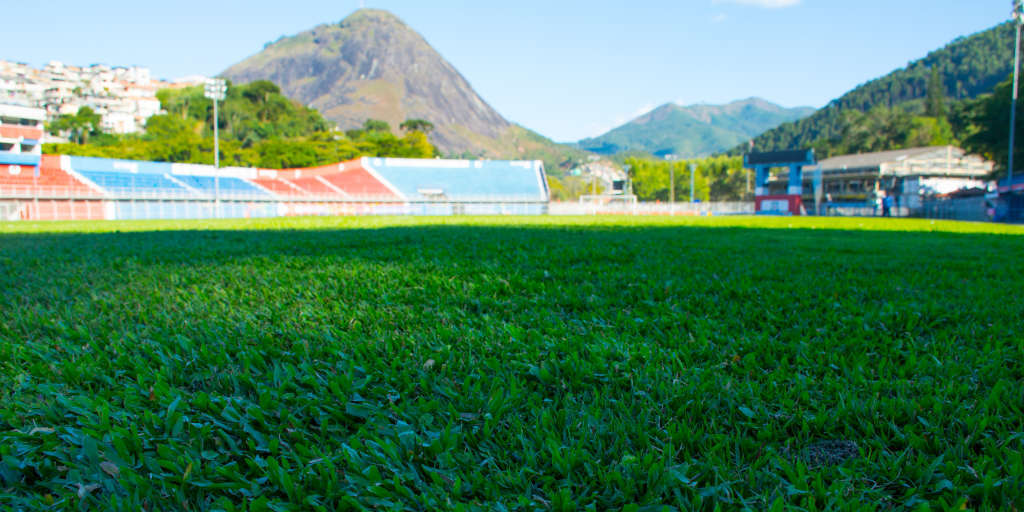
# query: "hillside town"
{"type": "Point", "coordinates": [125, 97]}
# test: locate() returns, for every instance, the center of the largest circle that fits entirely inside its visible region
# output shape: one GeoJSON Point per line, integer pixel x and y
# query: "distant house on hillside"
{"type": "Point", "coordinates": [908, 174]}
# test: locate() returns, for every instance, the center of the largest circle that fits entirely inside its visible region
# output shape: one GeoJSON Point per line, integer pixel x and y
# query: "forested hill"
{"type": "Point", "coordinates": [967, 67]}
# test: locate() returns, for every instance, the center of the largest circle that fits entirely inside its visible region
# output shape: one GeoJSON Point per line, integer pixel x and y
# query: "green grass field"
{"type": "Point", "coordinates": [512, 364]}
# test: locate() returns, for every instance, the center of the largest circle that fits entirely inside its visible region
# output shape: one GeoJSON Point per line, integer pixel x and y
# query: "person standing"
{"type": "Point", "coordinates": [887, 203]}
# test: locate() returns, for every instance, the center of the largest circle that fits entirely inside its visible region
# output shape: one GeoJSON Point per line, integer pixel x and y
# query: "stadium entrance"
{"type": "Point", "coordinates": [780, 202]}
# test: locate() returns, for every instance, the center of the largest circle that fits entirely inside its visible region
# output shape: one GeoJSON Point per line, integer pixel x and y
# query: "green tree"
{"type": "Point", "coordinates": [929, 131]}
{"type": "Point", "coordinates": [935, 101]}
{"type": "Point", "coordinates": [986, 124]}
{"type": "Point", "coordinates": [652, 179]}
{"type": "Point", "coordinates": [166, 126]}
{"type": "Point", "coordinates": [79, 127]}
{"type": "Point", "coordinates": [417, 125]}
{"type": "Point", "coordinates": [376, 125]}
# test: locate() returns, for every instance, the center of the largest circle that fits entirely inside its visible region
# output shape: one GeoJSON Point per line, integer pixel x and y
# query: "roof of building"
{"type": "Point", "coordinates": [875, 160]}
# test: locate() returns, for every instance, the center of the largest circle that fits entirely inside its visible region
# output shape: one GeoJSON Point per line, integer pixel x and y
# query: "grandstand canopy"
{"type": "Point", "coordinates": [923, 161]}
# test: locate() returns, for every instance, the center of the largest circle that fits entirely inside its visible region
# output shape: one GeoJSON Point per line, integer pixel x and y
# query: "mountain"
{"type": "Point", "coordinates": [695, 130]}
{"type": "Point", "coordinates": [967, 67]}
{"type": "Point", "coordinates": [371, 65]}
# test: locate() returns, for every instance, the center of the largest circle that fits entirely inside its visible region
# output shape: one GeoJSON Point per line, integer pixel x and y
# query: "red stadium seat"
{"type": "Point", "coordinates": [52, 181]}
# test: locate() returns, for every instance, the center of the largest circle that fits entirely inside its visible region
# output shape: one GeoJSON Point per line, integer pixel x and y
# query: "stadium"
{"type": "Point", "coordinates": [331, 317]}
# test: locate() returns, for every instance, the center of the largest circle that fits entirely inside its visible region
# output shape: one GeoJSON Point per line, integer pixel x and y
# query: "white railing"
{"type": "Point", "coordinates": [48, 192]}
{"type": "Point", "coordinates": [122, 194]}
{"type": "Point", "coordinates": [681, 209]}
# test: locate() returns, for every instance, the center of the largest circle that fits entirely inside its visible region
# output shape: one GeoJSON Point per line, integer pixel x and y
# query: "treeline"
{"type": "Point", "coordinates": [259, 127]}
{"type": "Point", "coordinates": [720, 178]}
{"type": "Point", "coordinates": [716, 178]}
{"type": "Point", "coordinates": [900, 104]}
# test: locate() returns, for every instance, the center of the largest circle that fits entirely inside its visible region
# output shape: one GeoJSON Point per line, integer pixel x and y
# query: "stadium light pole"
{"type": "Point", "coordinates": [1018, 18]}
{"type": "Point", "coordinates": [215, 90]}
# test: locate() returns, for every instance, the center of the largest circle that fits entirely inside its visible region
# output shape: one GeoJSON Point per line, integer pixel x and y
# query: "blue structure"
{"type": "Point", "coordinates": [109, 165]}
{"type": "Point", "coordinates": [228, 185]}
{"type": "Point", "coordinates": [762, 163]}
{"type": "Point", "coordinates": [23, 159]}
{"type": "Point", "coordinates": [127, 176]}
{"type": "Point", "coordinates": [123, 183]}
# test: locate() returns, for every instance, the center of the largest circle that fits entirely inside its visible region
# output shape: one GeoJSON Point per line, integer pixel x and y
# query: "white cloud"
{"type": "Point", "coordinates": [719, 18]}
{"type": "Point", "coordinates": [767, 4]}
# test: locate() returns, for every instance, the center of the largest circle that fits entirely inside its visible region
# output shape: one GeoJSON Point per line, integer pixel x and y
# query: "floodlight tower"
{"type": "Point", "coordinates": [216, 89]}
{"type": "Point", "coordinates": [1018, 19]}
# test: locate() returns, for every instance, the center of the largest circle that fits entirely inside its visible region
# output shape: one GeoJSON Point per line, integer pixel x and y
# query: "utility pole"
{"type": "Point", "coordinates": [671, 158]}
{"type": "Point", "coordinates": [215, 90]}
{"type": "Point", "coordinates": [693, 180]}
{"type": "Point", "coordinates": [1018, 17]}
{"type": "Point", "coordinates": [672, 184]}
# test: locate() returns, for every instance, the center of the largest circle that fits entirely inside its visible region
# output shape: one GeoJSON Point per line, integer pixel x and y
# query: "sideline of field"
{"type": "Point", "coordinates": [624, 221]}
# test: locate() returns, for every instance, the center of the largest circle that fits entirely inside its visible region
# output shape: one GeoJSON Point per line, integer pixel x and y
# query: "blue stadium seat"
{"type": "Point", "coordinates": [228, 185]}
{"type": "Point", "coordinates": [124, 182]}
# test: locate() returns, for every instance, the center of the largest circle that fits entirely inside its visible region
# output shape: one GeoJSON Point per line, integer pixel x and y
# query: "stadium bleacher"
{"type": "Point", "coordinates": [280, 187]}
{"type": "Point", "coordinates": [127, 176]}
{"type": "Point", "coordinates": [52, 180]}
{"type": "Point", "coordinates": [126, 189]}
{"type": "Point", "coordinates": [144, 184]}
{"type": "Point", "coordinates": [314, 186]}
{"type": "Point", "coordinates": [358, 182]}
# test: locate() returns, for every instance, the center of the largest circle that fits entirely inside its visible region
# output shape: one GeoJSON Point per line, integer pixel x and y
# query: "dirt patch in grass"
{"type": "Point", "coordinates": [827, 453]}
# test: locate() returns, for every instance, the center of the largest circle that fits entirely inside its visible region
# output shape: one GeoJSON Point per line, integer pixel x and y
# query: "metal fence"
{"type": "Point", "coordinates": [21, 202]}
{"type": "Point", "coordinates": [967, 208]}
{"type": "Point", "coordinates": [8, 191]}
{"type": "Point", "coordinates": [682, 209]}
{"type": "Point", "coordinates": [78, 203]}
{"type": "Point", "coordinates": [862, 210]}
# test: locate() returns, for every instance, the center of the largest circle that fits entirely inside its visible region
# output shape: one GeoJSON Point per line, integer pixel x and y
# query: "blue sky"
{"type": "Point", "coordinates": [566, 68]}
